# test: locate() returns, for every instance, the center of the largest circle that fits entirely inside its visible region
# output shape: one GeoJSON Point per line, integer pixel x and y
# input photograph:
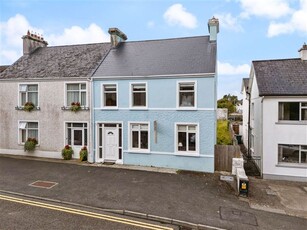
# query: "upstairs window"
{"type": "Point", "coordinates": [292, 111]}
{"type": "Point", "coordinates": [110, 95]}
{"type": "Point", "coordinates": [28, 93]}
{"type": "Point", "coordinates": [139, 95]}
{"type": "Point", "coordinates": [76, 93]}
{"type": "Point", "coordinates": [186, 94]}
{"type": "Point", "coordinates": [27, 130]}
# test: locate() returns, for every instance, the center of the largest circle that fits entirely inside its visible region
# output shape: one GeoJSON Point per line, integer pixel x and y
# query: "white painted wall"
{"type": "Point", "coordinates": [51, 118]}
{"type": "Point", "coordinates": [275, 133]}
{"type": "Point", "coordinates": [245, 118]}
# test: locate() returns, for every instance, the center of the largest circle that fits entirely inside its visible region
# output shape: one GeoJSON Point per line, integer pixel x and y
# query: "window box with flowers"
{"type": "Point", "coordinates": [75, 106]}
{"type": "Point", "coordinates": [67, 152]}
{"type": "Point", "coordinates": [28, 106]}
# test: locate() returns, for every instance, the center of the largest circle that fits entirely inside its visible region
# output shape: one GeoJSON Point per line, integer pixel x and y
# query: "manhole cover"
{"type": "Point", "coordinates": [43, 184]}
{"type": "Point", "coordinates": [237, 215]}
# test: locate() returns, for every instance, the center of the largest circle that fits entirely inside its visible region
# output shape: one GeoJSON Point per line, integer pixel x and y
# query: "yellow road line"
{"type": "Point", "coordinates": [85, 213]}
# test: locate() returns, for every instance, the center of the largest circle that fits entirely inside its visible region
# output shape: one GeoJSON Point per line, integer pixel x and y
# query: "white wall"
{"type": "Point", "coordinates": [51, 118]}
{"type": "Point", "coordinates": [245, 118]}
{"type": "Point", "coordinates": [275, 133]}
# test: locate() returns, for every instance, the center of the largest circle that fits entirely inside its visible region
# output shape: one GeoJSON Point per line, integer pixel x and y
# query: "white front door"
{"type": "Point", "coordinates": [111, 143]}
{"type": "Point", "coordinates": [77, 141]}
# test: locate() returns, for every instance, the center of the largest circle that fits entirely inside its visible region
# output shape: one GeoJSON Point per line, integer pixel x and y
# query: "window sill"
{"type": "Point", "coordinates": [139, 151]}
{"type": "Point", "coordinates": [22, 108]}
{"type": "Point", "coordinates": [186, 154]}
{"type": "Point", "coordinates": [187, 108]}
{"type": "Point", "coordinates": [138, 108]}
{"type": "Point", "coordinates": [68, 108]}
{"type": "Point", "coordinates": [109, 108]}
{"type": "Point", "coordinates": [291, 123]}
{"type": "Point", "coordinates": [292, 165]}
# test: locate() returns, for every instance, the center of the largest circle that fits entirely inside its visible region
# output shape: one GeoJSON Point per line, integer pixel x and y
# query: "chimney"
{"type": "Point", "coordinates": [32, 41]}
{"type": "Point", "coordinates": [303, 52]}
{"type": "Point", "coordinates": [116, 36]}
{"type": "Point", "coordinates": [213, 27]}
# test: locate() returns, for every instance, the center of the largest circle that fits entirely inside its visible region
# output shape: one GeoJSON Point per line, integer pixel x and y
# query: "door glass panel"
{"type": "Point", "coordinates": [85, 137]}
{"type": "Point", "coordinates": [77, 137]}
{"type": "Point", "coordinates": [69, 136]}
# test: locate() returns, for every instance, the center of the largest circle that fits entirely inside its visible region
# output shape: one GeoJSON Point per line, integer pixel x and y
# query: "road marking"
{"type": "Point", "coordinates": [85, 213]}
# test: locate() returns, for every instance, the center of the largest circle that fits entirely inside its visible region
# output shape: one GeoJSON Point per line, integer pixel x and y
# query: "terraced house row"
{"type": "Point", "coordinates": [147, 103]}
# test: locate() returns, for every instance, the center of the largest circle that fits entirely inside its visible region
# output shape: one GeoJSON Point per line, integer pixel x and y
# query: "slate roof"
{"type": "Point", "coordinates": [245, 83]}
{"type": "Point", "coordinates": [70, 61]}
{"type": "Point", "coordinates": [284, 77]}
{"type": "Point", "coordinates": [3, 67]}
{"type": "Point", "coordinates": [160, 57]}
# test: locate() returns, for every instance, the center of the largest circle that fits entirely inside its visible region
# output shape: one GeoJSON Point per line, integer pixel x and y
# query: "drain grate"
{"type": "Point", "coordinates": [43, 184]}
{"type": "Point", "coordinates": [237, 215]}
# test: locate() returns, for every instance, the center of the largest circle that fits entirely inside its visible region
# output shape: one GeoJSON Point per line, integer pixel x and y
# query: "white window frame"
{"type": "Point", "coordinates": [130, 123]}
{"type": "Point", "coordinates": [103, 106]}
{"type": "Point", "coordinates": [301, 108]}
{"type": "Point", "coordinates": [25, 128]}
{"type": "Point", "coordinates": [131, 96]}
{"type": "Point", "coordinates": [83, 128]}
{"type": "Point", "coordinates": [300, 150]}
{"type": "Point", "coordinates": [178, 96]}
{"type": "Point", "coordinates": [19, 93]}
{"type": "Point", "coordinates": [187, 153]}
{"type": "Point", "coordinates": [80, 90]}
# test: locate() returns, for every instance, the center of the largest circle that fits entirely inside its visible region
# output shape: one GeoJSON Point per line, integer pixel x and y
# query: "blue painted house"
{"type": "Point", "coordinates": [154, 102]}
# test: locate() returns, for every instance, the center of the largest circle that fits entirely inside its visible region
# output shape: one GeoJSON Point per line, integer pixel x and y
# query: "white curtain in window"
{"type": "Point", "coordinates": [33, 97]}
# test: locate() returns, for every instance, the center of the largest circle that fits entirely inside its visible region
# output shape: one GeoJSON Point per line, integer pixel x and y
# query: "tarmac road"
{"type": "Point", "coordinates": [195, 198]}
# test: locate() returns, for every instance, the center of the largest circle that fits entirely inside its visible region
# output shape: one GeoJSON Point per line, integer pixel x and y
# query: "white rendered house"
{"type": "Point", "coordinates": [278, 117]}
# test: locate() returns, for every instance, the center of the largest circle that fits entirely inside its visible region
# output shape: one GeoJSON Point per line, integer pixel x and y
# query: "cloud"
{"type": "Point", "coordinates": [78, 35]}
{"type": "Point", "coordinates": [271, 9]}
{"type": "Point", "coordinates": [229, 22]}
{"type": "Point", "coordinates": [178, 15]}
{"type": "Point", "coordinates": [297, 22]}
{"type": "Point", "coordinates": [15, 27]}
{"type": "Point", "coordinates": [228, 69]}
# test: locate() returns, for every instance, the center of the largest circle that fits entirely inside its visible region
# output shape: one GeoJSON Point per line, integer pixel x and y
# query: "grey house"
{"type": "Point", "coordinates": [51, 79]}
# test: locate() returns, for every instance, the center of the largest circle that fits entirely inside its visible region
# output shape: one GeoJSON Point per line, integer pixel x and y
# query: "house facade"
{"type": "Point", "coordinates": [245, 111]}
{"type": "Point", "coordinates": [278, 115]}
{"type": "Point", "coordinates": [50, 79]}
{"type": "Point", "coordinates": [154, 103]}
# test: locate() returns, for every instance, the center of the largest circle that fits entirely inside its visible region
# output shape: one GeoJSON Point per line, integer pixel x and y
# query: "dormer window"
{"type": "Point", "coordinates": [28, 93]}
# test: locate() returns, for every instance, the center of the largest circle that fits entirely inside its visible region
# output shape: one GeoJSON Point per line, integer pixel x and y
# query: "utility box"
{"type": "Point", "coordinates": [243, 187]}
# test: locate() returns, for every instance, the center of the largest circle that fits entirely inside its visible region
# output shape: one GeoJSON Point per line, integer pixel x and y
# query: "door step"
{"type": "Point", "coordinates": [109, 163]}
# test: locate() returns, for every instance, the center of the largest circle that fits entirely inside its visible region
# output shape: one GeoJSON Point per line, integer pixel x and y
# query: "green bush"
{"type": "Point", "coordinates": [30, 144]}
{"type": "Point", "coordinates": [83, 154]}
{"type": "Point", "coordinates": [29, 106]}
{"type": "Point", "coordinates": [67, 152]}
{"type": "Point", "coordinates": [223, 134]}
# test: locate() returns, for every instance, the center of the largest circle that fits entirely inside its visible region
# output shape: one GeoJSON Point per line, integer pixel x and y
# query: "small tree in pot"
{"type": "Point", "coordinates": [83, 154]}
{"type": "Point", "coordinates": [30, 144]}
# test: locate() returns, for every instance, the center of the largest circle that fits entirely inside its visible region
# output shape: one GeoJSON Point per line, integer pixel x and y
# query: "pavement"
{"type": "Point", "coordinates": [195, 200]}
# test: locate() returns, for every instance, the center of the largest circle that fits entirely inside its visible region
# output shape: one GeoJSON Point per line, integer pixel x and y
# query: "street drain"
{"type": "Point", "coordinates": [238, 216]}
{"type": "Point", "coordinates": [43, 184]}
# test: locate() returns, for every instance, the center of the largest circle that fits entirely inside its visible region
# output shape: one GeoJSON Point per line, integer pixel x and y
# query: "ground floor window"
{"type": "Point", "coordinates": [109, 141]}
{"type": "Point", "coordinates": [76, 134]}
{"type": "Point", "coordinates": [187, 137]}
{"type": "Point", "coordinates": [139, 136]}
{"type": "Point", "coordinates": [292, 154]}
{"type": "Point", "coordinates": [28, 130]}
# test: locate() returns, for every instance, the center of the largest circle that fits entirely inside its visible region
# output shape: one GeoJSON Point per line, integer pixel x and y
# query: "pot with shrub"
{"type": "Point", "coordinates": [83, 154]}
{"type": "Point", "coordinates": [67, 152]}
{"type": "Point", "coordinates": [75, 106]}
{"type": "Point", "coordinates": [30, 144]}
{"type": "Point", "coordinates": [29, 106]}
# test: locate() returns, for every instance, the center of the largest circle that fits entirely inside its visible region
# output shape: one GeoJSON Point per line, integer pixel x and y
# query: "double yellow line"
{"type": "Point", "coordinates": [84, 213]}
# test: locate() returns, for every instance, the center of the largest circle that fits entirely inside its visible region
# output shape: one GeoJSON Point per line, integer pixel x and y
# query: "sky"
{"type": "Point", "coordinates": [249, 29]}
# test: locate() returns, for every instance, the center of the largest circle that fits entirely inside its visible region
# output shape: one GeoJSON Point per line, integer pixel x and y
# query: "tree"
{"type": "Point", "coordinates": [229, 102]}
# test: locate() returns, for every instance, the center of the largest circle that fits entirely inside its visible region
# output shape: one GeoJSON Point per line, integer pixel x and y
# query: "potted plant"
{"type": "Point", "coordinates": [29, 106]}
{"type": "Point", "coordinates": [30, 144]}
{"type": "Point", "coordinates": [67, 152]}
{"type": "Point", "coordinates": [83, 154]}
{"type": "Point", "coordinates": [75, 106]}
